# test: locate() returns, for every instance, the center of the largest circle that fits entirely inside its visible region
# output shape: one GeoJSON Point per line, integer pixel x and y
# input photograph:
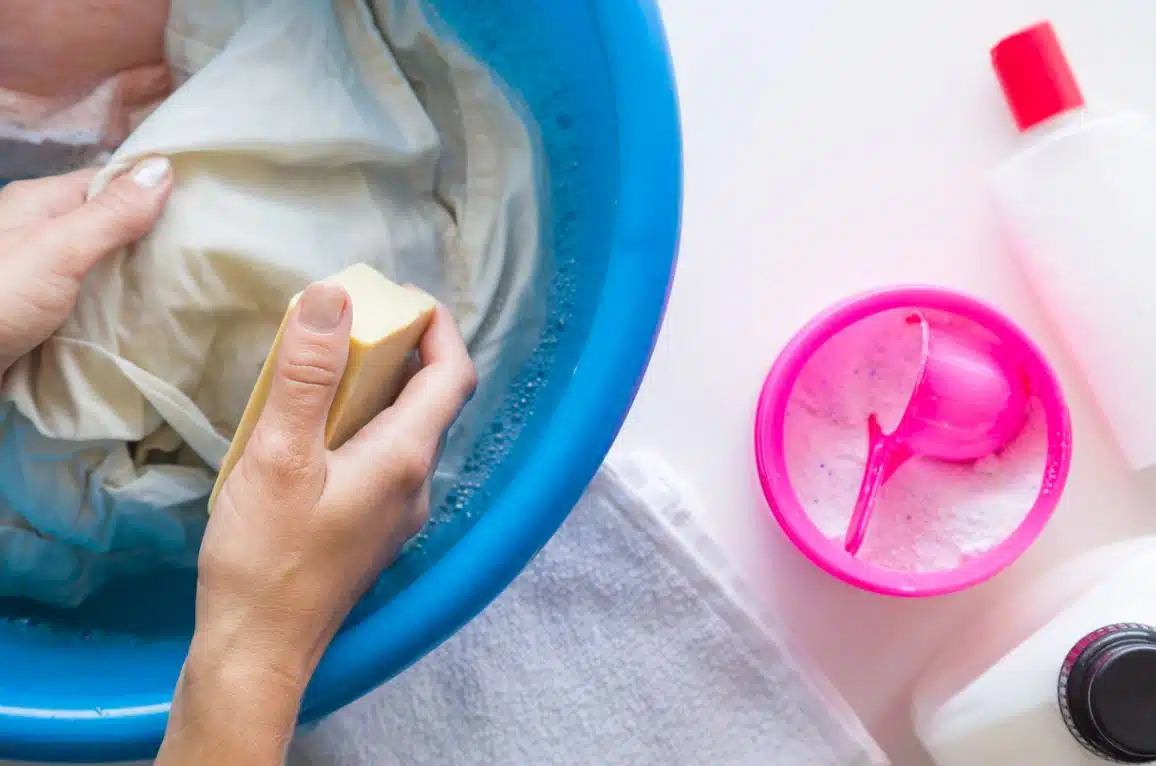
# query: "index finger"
{"type": "Point", "coordinates": [430, 401]}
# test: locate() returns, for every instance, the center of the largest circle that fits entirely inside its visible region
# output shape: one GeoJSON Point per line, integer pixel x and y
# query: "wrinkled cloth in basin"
{"type": "Point", "coordinates": [305, 137]}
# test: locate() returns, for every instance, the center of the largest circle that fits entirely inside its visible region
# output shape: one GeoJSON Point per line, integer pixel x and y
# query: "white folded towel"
{"type": "Point", "coordinates": [627, 642]}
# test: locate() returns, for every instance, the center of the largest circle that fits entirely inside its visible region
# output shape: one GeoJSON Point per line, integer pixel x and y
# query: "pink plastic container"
{"type": "Point", "coordinates": [830, 554]}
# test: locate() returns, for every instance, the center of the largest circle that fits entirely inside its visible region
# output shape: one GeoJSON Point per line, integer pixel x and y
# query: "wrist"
{"type": "Point", "coordinates": [239, 642]}
{"type": "Point", "coordinates": [283, 629]}
{"type": "Point", "coordinates": [252, 686]}
{"type": "Point", "coordinates": [232, 705]}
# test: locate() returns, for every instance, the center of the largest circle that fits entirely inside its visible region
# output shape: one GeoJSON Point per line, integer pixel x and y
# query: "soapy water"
{"type": "Point", "coordinates": [545, 67]}
{"type": "Point", "coordinates": [576, 141]}
{"type": "Point", "coordinates": [932, 515]}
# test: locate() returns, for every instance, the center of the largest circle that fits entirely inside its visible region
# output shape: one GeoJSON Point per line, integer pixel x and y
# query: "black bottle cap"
{"type": "Point", "coordinates": [1108, 693]}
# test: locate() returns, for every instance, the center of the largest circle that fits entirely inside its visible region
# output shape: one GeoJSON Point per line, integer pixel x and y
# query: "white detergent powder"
{"type": "Point", "coordinates": [931, 515]}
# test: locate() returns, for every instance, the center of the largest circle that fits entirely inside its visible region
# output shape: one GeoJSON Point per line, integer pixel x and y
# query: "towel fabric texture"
{"type": "Point", "coordinates": [627, 642]}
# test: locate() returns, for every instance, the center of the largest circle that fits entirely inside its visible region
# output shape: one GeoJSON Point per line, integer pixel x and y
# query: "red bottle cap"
{"type": "Point", "coordinates": [1037, 81]}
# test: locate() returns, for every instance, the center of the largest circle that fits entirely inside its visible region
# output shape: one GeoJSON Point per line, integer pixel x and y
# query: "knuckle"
{"type": "Point", "coordinates": [309, 376]}
{"type": "Point", "coordinates": [467, 377]}
{"type": "Point", "coordinates": [306, 379]}
{"type": "Point", "coordinates": [279, 457]}
{"type": "Point", "coordinates": [310, 365]}
{"type": "Point", "coordinates": [122, 212]}
{"type": "Point", "coordinates": [300, 396]}
{"type": "Point", "coordinates": [410, 467]}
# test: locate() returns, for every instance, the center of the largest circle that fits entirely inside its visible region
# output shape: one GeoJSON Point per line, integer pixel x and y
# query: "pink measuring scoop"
{"type": "Point", "coordinates": [969, 401]}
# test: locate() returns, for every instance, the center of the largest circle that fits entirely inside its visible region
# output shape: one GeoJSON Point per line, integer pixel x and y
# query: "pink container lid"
{"type": "Point", "coordinates": [829, 554]}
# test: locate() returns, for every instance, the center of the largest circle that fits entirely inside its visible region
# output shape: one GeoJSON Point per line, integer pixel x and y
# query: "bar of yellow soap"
{"type": "Point", "coordinates": [388, 323]}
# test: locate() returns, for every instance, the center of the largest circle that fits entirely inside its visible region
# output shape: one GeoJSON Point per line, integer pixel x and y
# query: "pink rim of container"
{"type": "Point", "coordinates": [829, 554]}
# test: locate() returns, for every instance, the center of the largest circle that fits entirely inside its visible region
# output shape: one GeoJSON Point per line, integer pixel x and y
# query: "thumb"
{"type": "Point", "coordinates": [310, 363]}
{"type": "Point", "coordinates": [118, 215]}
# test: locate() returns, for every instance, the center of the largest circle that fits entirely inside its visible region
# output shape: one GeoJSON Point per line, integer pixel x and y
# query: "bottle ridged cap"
{"type": "Point", "coordinates": [1037, 81]}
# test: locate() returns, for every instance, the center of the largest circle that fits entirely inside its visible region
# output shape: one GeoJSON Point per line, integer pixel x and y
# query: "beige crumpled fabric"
{"type": "Point", "coordinates": [303, 140]}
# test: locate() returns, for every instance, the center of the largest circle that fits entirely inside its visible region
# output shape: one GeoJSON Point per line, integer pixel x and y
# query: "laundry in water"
{"type": "Point", "coordinates": [305, 137]}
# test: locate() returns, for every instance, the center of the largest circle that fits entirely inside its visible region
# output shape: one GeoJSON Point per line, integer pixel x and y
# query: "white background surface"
{"type": "Point", "coordinates": [832, 146]}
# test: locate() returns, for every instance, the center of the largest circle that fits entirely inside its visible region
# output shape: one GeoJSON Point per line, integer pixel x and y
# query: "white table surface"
{"type": "Point", "coordinates": [831, 146]}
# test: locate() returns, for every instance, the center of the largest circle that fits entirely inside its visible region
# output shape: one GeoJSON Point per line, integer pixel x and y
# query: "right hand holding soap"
{"type": "Point", "coordinates": [300, 530]}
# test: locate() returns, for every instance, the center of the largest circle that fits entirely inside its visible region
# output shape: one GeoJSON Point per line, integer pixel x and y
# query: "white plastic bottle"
{"type": "Point", "coordinates": [1079, 201]}
{"type": "Point", "coordinates": [1064, 674]}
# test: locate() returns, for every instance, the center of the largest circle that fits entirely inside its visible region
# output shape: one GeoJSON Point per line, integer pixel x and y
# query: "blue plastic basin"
{"type": "Point", "coordinates": [94, 684]}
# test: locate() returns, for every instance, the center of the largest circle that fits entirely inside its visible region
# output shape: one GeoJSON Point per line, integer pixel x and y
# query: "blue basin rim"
{"type": "Point", "coordinates": [566, 455]}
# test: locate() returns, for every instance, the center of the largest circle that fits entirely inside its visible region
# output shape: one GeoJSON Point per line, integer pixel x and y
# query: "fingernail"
{"type": "Point", "coordinates": [322, 306]}
{"type": "Point", "coordinates": [152, 172]}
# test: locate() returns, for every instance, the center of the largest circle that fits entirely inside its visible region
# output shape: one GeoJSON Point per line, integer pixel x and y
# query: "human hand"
{"type": "Point", "coordinates": [298, 532]}
{"type": "Point", "coordinates": [50, 237]}
{"type": "Point", "coordinates": [63, 49]}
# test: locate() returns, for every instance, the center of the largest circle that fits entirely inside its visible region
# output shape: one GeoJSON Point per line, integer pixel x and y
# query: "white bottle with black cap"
{"type": "Point", "coordinates": [1063, 675]}
{"type": "Point", "coordinates": [1078, 200]}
